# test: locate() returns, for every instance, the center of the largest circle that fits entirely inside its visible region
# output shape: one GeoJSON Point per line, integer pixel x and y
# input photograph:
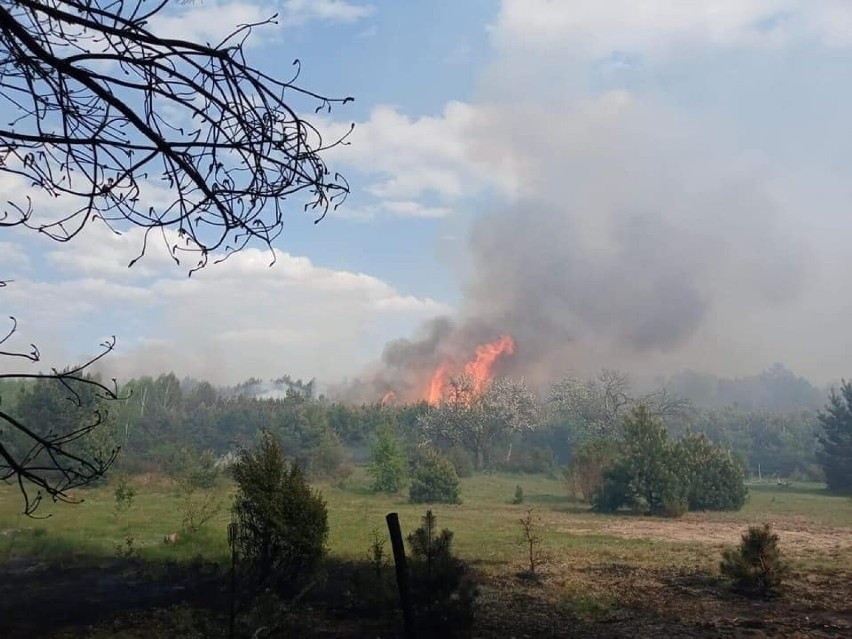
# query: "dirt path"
{"type": "Point", "coordinates": [796, 536]}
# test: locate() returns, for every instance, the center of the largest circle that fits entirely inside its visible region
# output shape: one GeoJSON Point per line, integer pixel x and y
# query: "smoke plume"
{"type": "Point", "coordinates": [632, 236]}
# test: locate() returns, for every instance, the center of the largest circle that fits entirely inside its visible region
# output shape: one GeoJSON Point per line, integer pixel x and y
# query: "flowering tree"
{"type": "Point", "coordinates": [479, 421]}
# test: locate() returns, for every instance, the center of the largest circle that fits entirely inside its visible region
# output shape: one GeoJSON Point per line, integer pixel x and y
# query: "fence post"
{"type": "Point", "coordinates": [233, 535]}
{"type": "Point", "coordinates": [401, 573]}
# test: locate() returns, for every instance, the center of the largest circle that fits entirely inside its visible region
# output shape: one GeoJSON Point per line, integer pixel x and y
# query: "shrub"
{"type": "Point", "coordinates": [716, 479]}
{"type": "Point", "coordinates": [648, 477]}
{"type": "Point", "coordinates": [756, 566]}
{"type": "Point", "coordinates": [590, 462]}
{"type": "Point", "coordinates": [654, 476]}
{"type": "Point", "coordinates": [124, 495]}
{"type": "Point", "coordinates": [461, 461]}
{"type": "Point", "coordinates": [372, 585]}
{"type": "Point", "coordinates": [387, 461]}
{"type": "Point", "coordinates": [326, 457]}
{"type": "Point", "coordinates": [190, 468]}
{"type": "Point", "coordinates": [342, 475]}
{"type": "Point", "coordinates": [519, 495]}
{"type": "Point", "coordinates": [442, 591]}
{"type": "Point", "coordinates": [283, 523]}
{"type": "Point", "coordinates": [531, 460]}
{"type": "Point", "coordinates": [531, 540]}
{"type": "Point", "coordinates": [434, 481]}
{"type": "Point", "coordinates": [195, 476]}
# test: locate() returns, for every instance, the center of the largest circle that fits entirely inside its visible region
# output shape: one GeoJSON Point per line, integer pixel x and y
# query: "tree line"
{"type": "Point", "coordinates": [505, 428]}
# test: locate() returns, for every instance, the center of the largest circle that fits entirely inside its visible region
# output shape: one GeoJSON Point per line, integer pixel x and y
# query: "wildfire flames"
{"type": "Point", "coordinates": [479, 368]}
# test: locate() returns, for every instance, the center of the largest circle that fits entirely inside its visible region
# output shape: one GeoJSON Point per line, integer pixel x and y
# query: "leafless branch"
{"type": "Point", "coordinates": [48, 465]}
{"type": "Point", "coordinates": [119, 124]}
{"type": "Point", "coordinates": [132, 128]}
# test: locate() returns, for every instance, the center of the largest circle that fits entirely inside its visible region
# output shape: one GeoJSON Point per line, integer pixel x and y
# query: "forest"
{"type": "Point", "coordinates": [768, 421]}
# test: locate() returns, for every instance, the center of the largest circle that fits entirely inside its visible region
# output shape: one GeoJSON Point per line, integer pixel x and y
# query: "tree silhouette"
{"type": "Point", "coordinates": [116, 123]}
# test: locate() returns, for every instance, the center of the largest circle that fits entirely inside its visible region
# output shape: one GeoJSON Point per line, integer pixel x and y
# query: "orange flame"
{"type": "Point", "coordinates": [388, 397]}
{"type": "Point", "coordinates": [438, 383]}
{"type": "Point", "coordinates": [479, 368]}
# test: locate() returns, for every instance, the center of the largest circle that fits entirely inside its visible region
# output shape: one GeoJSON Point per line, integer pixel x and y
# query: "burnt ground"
{"type": "Point", "coordinates": [126, 598]}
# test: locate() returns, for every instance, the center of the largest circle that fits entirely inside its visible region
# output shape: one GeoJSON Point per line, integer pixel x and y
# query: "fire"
{"type": "Point", "coordinates": [388, 398]}
{"type": "Point", "coordinates": [438, 383]}
{"type": "Point", "coordinates": [478, 369]}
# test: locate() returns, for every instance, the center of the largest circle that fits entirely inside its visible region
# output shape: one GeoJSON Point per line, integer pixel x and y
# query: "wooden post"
{"type": "Point", "coordinates": [401, 573]}
{"type": "Point", "coordinates": [233, 533]}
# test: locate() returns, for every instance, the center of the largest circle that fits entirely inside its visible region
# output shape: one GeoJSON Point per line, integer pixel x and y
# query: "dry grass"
{"type": "Point", "coordinates": [631, 576]}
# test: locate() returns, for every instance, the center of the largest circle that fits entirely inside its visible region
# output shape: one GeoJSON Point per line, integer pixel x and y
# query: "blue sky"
{"type": "Point", "coordinates": [722, 127]}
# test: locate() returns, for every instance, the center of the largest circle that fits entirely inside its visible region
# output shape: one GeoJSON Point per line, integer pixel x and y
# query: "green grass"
{"type": "Point", "coordinates": [485, 524]}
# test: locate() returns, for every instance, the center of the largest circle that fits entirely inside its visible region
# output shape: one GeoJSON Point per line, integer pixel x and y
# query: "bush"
{"type": "Point", "coordinates": [648, 476]}
{"type": "Point", "coordinates": [124, 494]}
{"type": "Point", "coordinates": [586, 472]}
{"type": "Point", "coordinates": [654, 476]}
{"type": "Point", "coordinates": [716, 479]}
{"type": "Point", "coordinates": [326, 457]}
{"type": "Point", "coordinates": [461, 461]}
{"type": "Point", "coordinates": [434, 481]}
{"type": "Point", "coordinates": [756, 566]}
{"type": "Point", "coordinates": [442, 591]}
{"type": "Point", "coordinates": [519, 495]}
{"type": "Point", "coordinates": [283, 523]}
{"type": "Point", "coordinates": [387, 461]}
{"type": "Point", "coordinates": [532, 460]}
{"type": "Point", "coordinates": [531, 540]}
{"type": "Point", "coordinates": [195, 475]}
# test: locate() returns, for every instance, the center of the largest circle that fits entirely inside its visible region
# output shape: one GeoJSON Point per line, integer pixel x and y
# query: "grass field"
{"type": "Point", "coordinates": [599, 564]}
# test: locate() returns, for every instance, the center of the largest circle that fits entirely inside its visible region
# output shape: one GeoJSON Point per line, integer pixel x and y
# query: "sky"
{"type": "Point", "coordinates": [650, 186]}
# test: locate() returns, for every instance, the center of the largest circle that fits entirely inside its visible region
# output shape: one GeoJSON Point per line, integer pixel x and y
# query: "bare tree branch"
{"type": "Point", "coordinates": [132, 128]}
{"type": "Point", "coordinates": [116, 123]}
{"type": "Point", "coordinates": [49, 466]}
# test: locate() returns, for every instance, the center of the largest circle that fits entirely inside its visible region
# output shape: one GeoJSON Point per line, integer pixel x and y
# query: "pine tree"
{"type": "Point", "coordinates": [387, 461]}
{"type": "Point", "coordinates": [836, 439]}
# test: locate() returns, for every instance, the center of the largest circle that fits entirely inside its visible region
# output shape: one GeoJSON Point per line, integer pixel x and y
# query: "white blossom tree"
{"type": "Point", "coordinates": [479, 421]}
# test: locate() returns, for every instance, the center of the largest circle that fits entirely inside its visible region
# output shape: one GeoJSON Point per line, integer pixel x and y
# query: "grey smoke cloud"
{"type": "Point", "coordinates": [631, 232]}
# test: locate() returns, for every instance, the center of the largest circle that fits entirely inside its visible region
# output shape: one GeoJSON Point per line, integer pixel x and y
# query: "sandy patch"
{"type": "Point", "coordinates": [794, 535]}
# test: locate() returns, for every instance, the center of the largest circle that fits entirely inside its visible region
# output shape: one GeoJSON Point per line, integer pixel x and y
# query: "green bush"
{"type": "Point", "coordinates": [530, 460]}
{"type": "Point", "coordinates": [519, 495]}
{"type": "Point", "coordinates": [434, 481]}
{"type": "Point", "coordinates": [442, 590]}
{"type": "Point", "coordinates": [124, 494]}
{"type": "Point", "coordinates": [716, 479]}
{"type": "Point", "coordinates": [283, 523]}
{"type": "Point", "coordinates": [195, 475]}
{"type": "Point", "coordinates": [756, 566]}
{"type": "Point", "coordinates": [589, 462]}
{"type": "Point", "coordinates": [387, 461]}
{"type": "Point", "coordinates": [461, 461]}
{"type": "Point", "coordinates": [648, 476]}
{"type": "Point", "coordinates": [654, 476]}
{"type": "Point", "coordinates": [325, 459]}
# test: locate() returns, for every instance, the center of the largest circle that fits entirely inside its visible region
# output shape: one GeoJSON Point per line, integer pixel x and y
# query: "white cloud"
{"type": "Point", "coordinates": [654, 27]}
{"type": "Point", "coordinates": [239, 318]}
{"type": "Point", "coordinates": [410, 208]}
{"type": "Point", "coordinates": [12, 257]}
{"type": "Point", "coordinates": [213, 20]}
{"type": "Point", "coordinates": [415, 157]}
{"type": "Point", "coordinates": [300, 11]}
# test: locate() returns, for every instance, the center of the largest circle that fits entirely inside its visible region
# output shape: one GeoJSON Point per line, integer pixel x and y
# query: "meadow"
{"type": "Point", "coordinates": [606, 571]}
